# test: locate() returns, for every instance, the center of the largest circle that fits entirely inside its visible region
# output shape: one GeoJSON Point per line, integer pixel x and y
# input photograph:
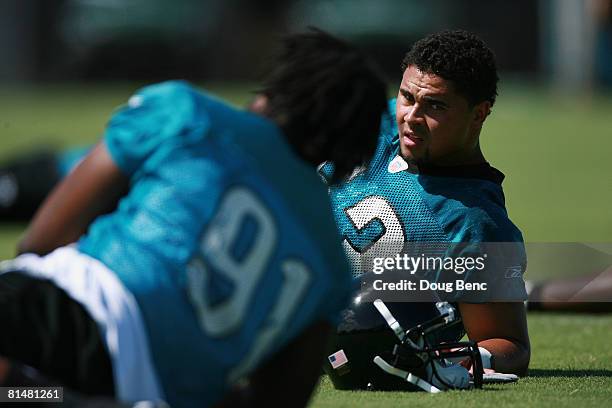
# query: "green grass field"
{"type": "Point", "coordinates": [571, 366]}
{"type": "Point", "coordinates": [555, 152]}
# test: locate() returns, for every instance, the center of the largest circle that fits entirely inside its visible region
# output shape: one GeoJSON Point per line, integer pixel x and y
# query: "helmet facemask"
{"type": "Point", "coordinates": [418, 358]}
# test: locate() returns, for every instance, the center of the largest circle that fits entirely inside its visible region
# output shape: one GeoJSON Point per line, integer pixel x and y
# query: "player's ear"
{"type": "Point", "coordinates": [259, 104]}
{"type": "Point", "coordinates": [480, 112]}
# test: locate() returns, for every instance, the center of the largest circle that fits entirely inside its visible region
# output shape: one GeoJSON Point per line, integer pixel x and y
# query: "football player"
{"type": "Point", "coordinates": [429, 182]}
{"type": "Point", "coordinates": [216, 273]}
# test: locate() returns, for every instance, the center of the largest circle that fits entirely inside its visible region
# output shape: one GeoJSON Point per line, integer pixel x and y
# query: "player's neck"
{"type": "Point", "coordinates": [473, 157]}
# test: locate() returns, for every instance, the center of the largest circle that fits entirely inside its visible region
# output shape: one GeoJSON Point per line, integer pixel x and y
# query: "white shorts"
{"type": "Point", "coordinates": [112, 307]}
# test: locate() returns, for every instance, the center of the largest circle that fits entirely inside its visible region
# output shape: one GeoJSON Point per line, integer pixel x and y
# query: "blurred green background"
{"type": "Point", "coordinates": [66, 64]}
{"type": "Point", "coordinates": [555, 150]}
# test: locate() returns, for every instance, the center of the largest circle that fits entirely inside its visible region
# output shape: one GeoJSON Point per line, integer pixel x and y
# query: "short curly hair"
{"type": "Point", "coordinates": [461, 57]}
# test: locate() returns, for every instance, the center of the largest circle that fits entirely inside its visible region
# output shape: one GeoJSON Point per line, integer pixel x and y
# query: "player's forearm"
{"type": "Point", "coordinates": [509, 355]}
{"type": "Point", "coordinates": [500, 328]}
{"type": "Point", "coordinates": [589, 294]}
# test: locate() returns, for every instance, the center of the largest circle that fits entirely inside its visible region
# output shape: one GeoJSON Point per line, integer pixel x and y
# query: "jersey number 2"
{"type": "Point", "coordinates": [389, 243]}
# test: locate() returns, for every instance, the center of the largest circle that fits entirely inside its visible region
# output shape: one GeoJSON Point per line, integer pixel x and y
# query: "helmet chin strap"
{"type": "Point", "coordinates": [451, 376]}
{"type": "Point", "coordinates": [393, 323]}
{"type": "Point", "coordinates": [485, 356]}
{"type": "Point", "coordinates": [454, 376]}
{"type": "Point", "coordinates": [405, 375]}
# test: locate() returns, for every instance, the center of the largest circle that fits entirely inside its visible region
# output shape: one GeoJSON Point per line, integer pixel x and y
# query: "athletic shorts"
{"type": "Point", "coordinates": [46, 329]}
{"type": "Point", "coordinates": [69, 316]}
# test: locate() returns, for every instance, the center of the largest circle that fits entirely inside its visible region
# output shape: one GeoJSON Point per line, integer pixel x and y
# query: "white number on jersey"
{"type": "Point", "coordinates": [223, 319]}
{"type": "Point", "coordinates": [392, 240]}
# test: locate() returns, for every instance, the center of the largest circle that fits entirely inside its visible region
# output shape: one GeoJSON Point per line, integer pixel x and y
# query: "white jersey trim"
{"type": "Point", "coordinates": [111, 305]}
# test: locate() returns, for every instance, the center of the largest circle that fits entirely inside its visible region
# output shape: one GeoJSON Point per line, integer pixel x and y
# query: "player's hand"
{"type": "Point", "coordinates": [491, 376]}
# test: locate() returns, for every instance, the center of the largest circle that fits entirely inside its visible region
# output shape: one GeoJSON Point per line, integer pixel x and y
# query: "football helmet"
{"type": "Point", "coordinates": [401, 346]}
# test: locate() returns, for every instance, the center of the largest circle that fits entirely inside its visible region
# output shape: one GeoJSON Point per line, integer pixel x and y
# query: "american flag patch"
{"type": "Point", "coordinates": [338, 359]}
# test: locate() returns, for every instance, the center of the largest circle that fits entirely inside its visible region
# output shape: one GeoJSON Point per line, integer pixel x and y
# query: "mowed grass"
{"type": "Point", "coordinates": [555, 152]}
{"type": "Point", "coordinates": [571, 366]}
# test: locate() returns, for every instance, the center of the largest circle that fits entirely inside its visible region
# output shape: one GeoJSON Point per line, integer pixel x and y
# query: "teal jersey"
{"type": "Point", "coordinates": [391, 206]}
{"type": "Point", "coordinates": [226, 238]}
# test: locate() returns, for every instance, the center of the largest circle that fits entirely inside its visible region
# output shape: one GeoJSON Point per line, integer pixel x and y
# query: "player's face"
{"type": "Point", "coordinates": [436, 125]}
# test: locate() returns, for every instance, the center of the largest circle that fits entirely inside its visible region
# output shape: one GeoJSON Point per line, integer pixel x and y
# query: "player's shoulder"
{"type": "Point", "coordinates": [167, 105]}
{"type": "Point", "coordinates": [163, 93]}
{"type": "Point", "coordinates": [181, 100]}
{"type": "Point", "coordinates": [473, 210]}
{"type": "Point", "coordinates": [163, 114]}
{"type": "Point", "coordinates": [489, 224]}
{"type": "Point", "coordinates": [171, 88]}
{"type": "Point", "coordinates": [172, 108]}
{"type": "Point", "coordinates": [176, 100]}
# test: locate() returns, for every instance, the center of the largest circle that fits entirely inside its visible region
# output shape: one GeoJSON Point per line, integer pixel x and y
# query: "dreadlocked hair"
{"type": "Point", "coordinates": [328, 100]}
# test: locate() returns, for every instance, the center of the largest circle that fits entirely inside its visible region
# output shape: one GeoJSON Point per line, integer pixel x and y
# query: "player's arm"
{"type": "Point", "coordinates": [92, 189]}
{"type": "Point", "coordinates": [500, 328]}
{"type": "Point", "coordinates": [586, 294]}
{"type": "Point", "coordinates": [288, 378]}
